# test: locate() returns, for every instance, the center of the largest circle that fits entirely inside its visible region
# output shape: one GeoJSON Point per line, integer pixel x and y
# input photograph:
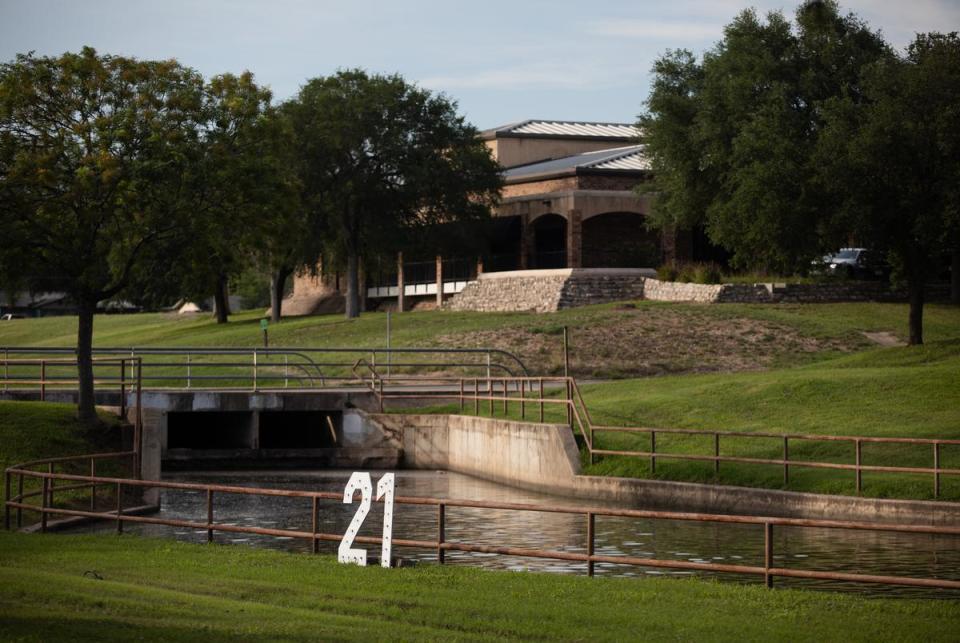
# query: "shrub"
{"type": "Point", "coordinates": [667, 272]}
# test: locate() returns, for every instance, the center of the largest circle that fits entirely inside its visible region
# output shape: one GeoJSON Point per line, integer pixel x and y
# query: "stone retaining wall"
{"type": "Point", "coordinates": [550, 290]}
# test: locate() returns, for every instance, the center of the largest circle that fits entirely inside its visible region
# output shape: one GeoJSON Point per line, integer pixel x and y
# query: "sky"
{"type": "Point", "coordinates": [501, 61]}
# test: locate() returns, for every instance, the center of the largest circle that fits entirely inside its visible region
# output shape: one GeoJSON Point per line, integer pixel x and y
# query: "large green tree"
{"type": "Point", "coordinates": [94, 154]}
{"type": "Point", "coordinates": [381, 160]}
{"type": "Point", "coordinates": [892, 160]}
{"type": "Point", "coordinates": [731, 138]}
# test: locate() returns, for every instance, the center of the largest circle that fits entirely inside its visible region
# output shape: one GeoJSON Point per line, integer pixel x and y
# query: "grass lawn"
{"type": "Point", "coordinates": [609, 340]}
{"type": "Point", "coordinates": [37, 430]}
{"type": "Point", "coordinates": [898, 391]}
{"type": "Point", "coordinates": [163, 590]}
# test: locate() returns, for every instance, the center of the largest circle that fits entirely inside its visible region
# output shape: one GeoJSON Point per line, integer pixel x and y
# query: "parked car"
{"type": "Point", "coordinates": [857, 263]}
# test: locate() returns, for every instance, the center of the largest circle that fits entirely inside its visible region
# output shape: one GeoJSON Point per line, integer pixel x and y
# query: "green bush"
{"type": "Point", "coordinates": [698, 273]}
{"type": "Point", "coordinates": [667, 272]}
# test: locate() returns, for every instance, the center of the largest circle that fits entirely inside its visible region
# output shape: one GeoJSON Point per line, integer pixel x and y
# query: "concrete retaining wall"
{"type": "Point", "coordinates": [544, 457]}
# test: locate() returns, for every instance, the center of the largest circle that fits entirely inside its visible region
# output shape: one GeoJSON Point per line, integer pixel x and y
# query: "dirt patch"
{"type": "Point", "coordinates": [884, 338]}
{"type": "Point", "coordinates": [652, 342]}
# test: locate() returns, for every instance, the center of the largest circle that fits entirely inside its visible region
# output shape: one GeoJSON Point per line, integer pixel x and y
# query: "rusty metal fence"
{"type": "Point", "coordinates": [527, 397]}
{"type": "Point", "coordinates": [46, 507]}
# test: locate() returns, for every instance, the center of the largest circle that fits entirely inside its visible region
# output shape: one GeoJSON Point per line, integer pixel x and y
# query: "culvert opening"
{"type": "Point", "coordinates": [210, 430]}
{"type": "Point", "coordinates": [299, 429]}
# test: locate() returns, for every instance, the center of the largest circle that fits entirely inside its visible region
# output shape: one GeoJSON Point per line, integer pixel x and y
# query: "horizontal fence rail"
{"type": "Point", "coordinates": [255, 368]}
{"type": "Point", "coordinates": [768, 571]}
{"type": "Point", "coordinates": [530, 395]}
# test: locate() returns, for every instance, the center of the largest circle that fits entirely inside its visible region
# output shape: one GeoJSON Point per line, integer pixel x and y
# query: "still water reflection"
{"type": "Point", "coordinates": [801, 548]}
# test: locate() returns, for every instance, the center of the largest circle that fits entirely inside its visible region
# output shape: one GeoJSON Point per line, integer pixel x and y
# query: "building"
{"type": "Point", "coordinates": [568, 202]}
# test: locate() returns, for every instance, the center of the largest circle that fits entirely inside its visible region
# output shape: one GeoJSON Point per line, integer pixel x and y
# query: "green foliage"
{"type": "Point", "coordinates": [382, 164]}
{"type": "Point", "coordinates": [691, 272]}
{"type": "Point", "coordinates": [731, 138]}
{"type": "Point", "coordinates": [892, 159]}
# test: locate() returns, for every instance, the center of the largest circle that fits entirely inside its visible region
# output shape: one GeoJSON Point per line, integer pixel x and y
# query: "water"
{"type": "Point", "coordinates": [799, 548]}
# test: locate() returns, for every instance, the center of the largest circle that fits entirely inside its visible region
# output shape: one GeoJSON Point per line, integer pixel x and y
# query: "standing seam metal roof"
{"type": "Point", "coordinates": [629, 158]}
{"type": "Point", "coordinates": [569, 128]}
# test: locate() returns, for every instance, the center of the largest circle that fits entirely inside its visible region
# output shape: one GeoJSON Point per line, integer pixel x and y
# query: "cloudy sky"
{"type": "Point", "coordinates": [502, 61]}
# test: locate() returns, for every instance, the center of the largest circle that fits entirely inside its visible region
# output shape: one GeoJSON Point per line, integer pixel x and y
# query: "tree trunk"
{"type": "Point", "coordinates": [955, 277]}
{"type": "Point", "coordinates": [221, 304]}
{"type": "Point", "coordinates": [86, 403]}
{"type": "Point", "coordinates": [353, 285]}
{"type": "Point", "coordinates": [915, 291]}
{"type": "Point", "coordinates": [277, 281]}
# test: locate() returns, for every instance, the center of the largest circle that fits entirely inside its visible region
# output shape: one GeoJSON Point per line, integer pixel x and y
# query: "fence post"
{"type": "Point", "coordinates": [716, 452]}
{"type": "Point", "coordinates": [786, 458]}
{"type": "Point", "coordinates": [189, 371]}
{"type": "Point", "coordinates": [286, 374]}
{"type": "Point", "coordinates": [43, 380]}
{"type": "Point", "coordinates": [541, 399]}
{"type": "Point", "coordinates": [119, 508]}
{"type": "Point", "coordinates": [6, 368]}
{"type": "Point", "coordinates": [209, 515]}
{"type": "Point", "coordinates": [569, 403]}
{"type": "Point", "coordinates": [6, 497]}
{"type": "Point", "coordinates": [441, 532]}
{"type": "Point", "coordinates": [461, 395]}
{"type": "Point", "coordinates": [653, 450]}
{"type": "Point", "coordinates": [936, 469]}
{"type": "Point", "coordinates": [93, 485]}
{"type": "Point", "coordinates": [476, 396]}
{"type": "Point", "coordinates": [123, 388]}
{"type": "Point", "coordinates": [767, 553]}
{"type": "Point", "coordinates": [523, 400]}
{"type": "Point", "coordinates": [591, 519]}
{"type": "Point", "coordinates": [43, 505]}
{"type": "Point", "coordinates": [314, 520]}
{"type": "Point", "coordinates": [858, 460]}
{"type": "Point", "coordinates": [506, 395]}
{"type": "Point", "coordinates": [50, 486]}
{"type": "Point", "coordinates": [254, 369]}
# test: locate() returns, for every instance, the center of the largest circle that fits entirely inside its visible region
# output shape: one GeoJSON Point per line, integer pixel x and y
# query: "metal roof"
{"type": "Point", "coordinates": [565, 129]}
{"type": "Point", "coordinates": [628, 159]}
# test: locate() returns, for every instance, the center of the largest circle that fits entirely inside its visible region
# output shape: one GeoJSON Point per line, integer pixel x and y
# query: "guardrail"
{"type": "Point", "coordinates": [532, 394]}
{"type": "Point", "coordinates": [441, 544]}
{"type": "Point", "coordinates": [268, 368]}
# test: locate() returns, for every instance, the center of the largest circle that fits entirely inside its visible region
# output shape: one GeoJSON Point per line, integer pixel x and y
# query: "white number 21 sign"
{"type": "Point", "coordinates": [360, 481]}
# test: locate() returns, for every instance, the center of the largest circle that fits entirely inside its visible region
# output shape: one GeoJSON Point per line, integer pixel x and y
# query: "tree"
{"type": "Point", "coordinates": [731, 139]}
{"type": "Point", "coordinates": [379, 161]}
{"type": "Point", "coordinates": [95, 155]}
{"type": "Point", "coordinates": [893, 161]}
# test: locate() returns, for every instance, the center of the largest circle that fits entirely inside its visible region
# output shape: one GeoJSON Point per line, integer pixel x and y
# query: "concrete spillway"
{"type": "Point", "coordinates": [231, 430]}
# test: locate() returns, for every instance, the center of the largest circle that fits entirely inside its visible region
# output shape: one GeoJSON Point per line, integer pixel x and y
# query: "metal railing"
{"type": "Point", "coordinates": [530, 395]}
{"type": "Point", "coordinates": [441, 544]}
{"type": "Point", "coordinates": [269, 368]}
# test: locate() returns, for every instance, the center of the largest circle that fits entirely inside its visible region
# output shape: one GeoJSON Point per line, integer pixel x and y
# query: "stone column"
{"type": "Point", "coordinates": [574, 239]}
{"type": "Point", "coordinates": [400, 285]}
{"type": "Point", "coordinates": [439, 281]}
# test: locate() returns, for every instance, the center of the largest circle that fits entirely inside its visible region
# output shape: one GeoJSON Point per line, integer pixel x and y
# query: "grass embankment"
{"type": "Point", "coordinates": [162, 590]}
{"type": "Point", "coordinates": [37, 430]}
{"type": "Point", "coordinates": [609, 340]}
{"type": "Point", "coordinates": [888, 392]}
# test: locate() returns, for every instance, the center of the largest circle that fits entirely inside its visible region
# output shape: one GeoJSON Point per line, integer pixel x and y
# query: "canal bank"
{"type": "Point", "coordinates": [545, 458]}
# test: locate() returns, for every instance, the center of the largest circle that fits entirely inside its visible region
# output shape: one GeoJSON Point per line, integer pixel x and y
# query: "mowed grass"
{"type": "Point", "coordinates": [609, 340]}
{"type": "Point", "coordinates": [37, 430]}
{"type": "Point", "coordinates": [888, 392]}
{"type": "Point", "coordinates": [109, 588]}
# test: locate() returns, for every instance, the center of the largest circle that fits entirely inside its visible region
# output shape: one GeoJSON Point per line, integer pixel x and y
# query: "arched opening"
{"type": "Point", "coordinates": [619, 240]}
{"type": "Point", "coordinates": [549, 242]}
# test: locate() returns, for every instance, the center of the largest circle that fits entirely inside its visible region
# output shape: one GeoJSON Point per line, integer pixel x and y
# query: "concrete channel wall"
{"type": "Point", "coordinates": [545, 458]}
